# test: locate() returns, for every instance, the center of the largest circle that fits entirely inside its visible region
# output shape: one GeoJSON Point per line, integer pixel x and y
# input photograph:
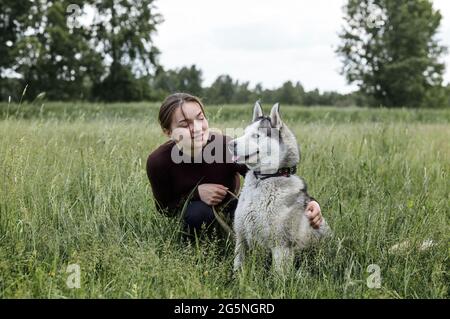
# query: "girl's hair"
{"type": "Point", "coordinates": [171, 103]}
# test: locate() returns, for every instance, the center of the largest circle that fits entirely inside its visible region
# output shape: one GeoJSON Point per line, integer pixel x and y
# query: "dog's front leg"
{"type": "Point", "coordinates": [239, 252]}
{"type": "Point", "coordinates": [283, 259]}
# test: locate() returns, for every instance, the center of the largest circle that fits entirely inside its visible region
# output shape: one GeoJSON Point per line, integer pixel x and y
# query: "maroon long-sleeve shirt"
{"type": "Point", "coordinates": [173, 181]}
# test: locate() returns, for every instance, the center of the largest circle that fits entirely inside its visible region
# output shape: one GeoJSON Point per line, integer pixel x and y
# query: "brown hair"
{"type": "Point", "coordinates": [171, 103]}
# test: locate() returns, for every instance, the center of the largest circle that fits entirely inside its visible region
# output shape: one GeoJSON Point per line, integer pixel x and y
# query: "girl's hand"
{"type": "Point", "coordinates": [212, 194]}
{"type": "Point", "coordinates": [314, 215]}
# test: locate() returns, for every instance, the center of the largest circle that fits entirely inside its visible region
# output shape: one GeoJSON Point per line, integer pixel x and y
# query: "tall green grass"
{"type": "Point", "coordinates": [76, 111]}
{"type": "Point", "coordinates": [73, 189]}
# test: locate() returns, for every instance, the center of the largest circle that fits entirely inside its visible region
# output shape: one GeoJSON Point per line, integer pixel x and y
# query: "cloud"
{"type": "Point", "coordinates": [264, 41]}
{"type": "Point", "coordinates": [265, 37]}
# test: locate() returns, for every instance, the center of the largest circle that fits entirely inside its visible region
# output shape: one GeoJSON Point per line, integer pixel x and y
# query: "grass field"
{"type": "Point", "coordinates": [73, 190]}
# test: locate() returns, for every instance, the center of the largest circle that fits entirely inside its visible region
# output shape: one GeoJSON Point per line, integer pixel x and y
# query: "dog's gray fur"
{"type": "Point", "coordinates": [271, 212]}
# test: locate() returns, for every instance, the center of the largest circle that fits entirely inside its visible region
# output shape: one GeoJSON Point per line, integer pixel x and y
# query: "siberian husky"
{"type": "Point", "coordinates": [271, 207]}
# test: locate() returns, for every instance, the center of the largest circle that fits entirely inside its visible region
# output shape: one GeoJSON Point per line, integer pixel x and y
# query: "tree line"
{"type": "Point", "coordinates": [103, 50]}
{"type": "Point", "coordinates": [226, 90]}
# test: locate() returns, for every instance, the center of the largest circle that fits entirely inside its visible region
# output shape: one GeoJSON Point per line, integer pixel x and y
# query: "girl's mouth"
{"type": "Point", "coordinates": [199, 137]}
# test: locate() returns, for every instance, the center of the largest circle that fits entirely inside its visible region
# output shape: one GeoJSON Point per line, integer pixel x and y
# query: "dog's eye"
{"type": "Point", "coordinates": [255, 135]}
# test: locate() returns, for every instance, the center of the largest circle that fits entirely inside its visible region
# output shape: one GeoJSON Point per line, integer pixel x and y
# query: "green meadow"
{"type": "Point", "coordinates": [74, 190]}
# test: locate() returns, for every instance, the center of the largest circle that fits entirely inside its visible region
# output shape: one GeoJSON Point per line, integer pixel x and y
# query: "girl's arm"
{"type": "Point", "coordinates": [166, 201]}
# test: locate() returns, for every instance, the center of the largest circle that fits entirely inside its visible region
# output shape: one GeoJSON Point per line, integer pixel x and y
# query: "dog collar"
{"type": "Point", "coordinates": [284, 171]}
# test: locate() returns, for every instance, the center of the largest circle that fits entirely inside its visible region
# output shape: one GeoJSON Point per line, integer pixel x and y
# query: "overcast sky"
{"type": "Point", "coordinates": [267, 41]}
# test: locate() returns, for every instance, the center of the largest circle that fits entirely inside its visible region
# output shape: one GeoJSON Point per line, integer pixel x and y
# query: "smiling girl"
{"type": "Point", "coordinates": [179, 169]}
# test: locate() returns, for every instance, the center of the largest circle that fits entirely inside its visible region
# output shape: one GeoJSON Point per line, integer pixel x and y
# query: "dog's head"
{"type": "Point", "coordinates": [267, 143]}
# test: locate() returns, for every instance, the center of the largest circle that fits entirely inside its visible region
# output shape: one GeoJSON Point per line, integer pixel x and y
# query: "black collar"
{"type": "Point", "coordinates": [284, 171]}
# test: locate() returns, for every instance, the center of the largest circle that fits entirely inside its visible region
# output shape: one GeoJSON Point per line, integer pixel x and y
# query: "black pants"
{"type": "Point", "coordinates": [198, 213]}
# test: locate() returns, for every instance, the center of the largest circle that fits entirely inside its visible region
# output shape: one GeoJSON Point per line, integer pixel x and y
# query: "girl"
{"type": "Point", "coordinates": [179, 168]}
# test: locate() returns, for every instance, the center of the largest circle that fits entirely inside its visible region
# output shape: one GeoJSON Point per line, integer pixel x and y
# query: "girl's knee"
{"type": "Point", "coordinates": [197, 214]}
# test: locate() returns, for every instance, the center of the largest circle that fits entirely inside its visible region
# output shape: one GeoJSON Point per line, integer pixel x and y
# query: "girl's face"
{"type": "Point", "coordinates": [189, 129]}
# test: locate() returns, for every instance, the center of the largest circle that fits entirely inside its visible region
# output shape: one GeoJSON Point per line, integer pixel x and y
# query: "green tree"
{"type": "Point", "coordinates": [14, 21]}
{"type": "Point", "coordinates": [221, 91]}
{"type": "Point", "coordinates": [312, 98]}
{"type": "Point", "coordinates": [47, 53]}
{"type": "Point", "coordinates": [242, 93]}
{"type": "Point", "coordinates": [124, 31]}
{"type": "Point", "coordinates": [448, 95]}
{"type": "Point", "coordinates": [190, 80]}
{"type": "Point", "coordinates": [120, 85]}
{"type": "Point", "coordinates": [389, 49]}
{"type": "Point", "coordinates": [185, 79]}
{"type": "Point", "coordinates": [290, 94]}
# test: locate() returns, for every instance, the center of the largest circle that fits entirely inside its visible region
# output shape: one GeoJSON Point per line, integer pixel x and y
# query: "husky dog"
{"type": "Point", "coordinates": [271, 207]}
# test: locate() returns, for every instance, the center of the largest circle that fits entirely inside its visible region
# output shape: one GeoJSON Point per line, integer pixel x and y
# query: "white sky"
{"type": "Point", "coordinates": [267, 41]}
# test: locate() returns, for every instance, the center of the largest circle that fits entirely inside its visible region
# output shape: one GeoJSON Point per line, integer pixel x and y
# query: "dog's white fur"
{"type": "Point", "coordinates": [271, 212]}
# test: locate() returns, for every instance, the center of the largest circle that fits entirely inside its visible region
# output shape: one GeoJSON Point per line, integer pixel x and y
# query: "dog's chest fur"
{"type": "Point", "coordinates": [270, 212]}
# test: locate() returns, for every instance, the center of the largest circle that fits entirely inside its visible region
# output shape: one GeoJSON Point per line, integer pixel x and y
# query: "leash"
{"type": "Point", "coordinates": [221, 218]}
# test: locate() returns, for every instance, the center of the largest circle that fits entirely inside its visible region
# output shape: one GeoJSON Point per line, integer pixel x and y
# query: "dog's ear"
{"type": "Point", "coordinates": [275, 117]}
{"type": "Point", "coordinates": [257, 111]}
